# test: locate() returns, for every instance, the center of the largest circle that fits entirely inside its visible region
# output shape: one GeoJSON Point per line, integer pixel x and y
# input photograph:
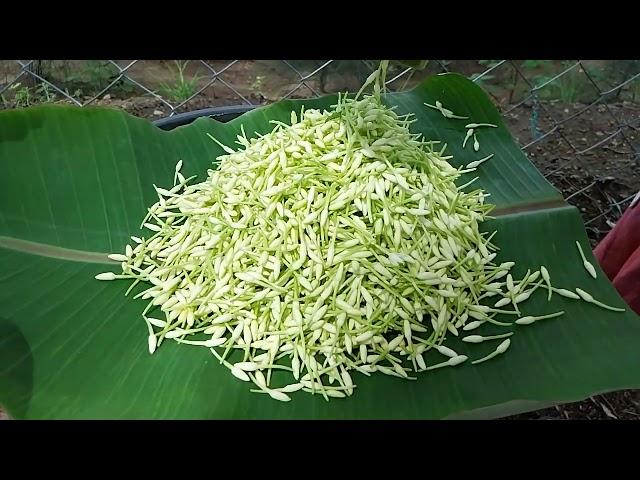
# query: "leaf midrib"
{"type": "Point", "coordinates": [85, 256]}
{"type": "Point", "coordinates": [52, 251]}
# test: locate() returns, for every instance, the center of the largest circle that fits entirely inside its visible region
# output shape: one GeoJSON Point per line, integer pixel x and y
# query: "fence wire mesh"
{"type": "Point", "coordinates": [577, 120]}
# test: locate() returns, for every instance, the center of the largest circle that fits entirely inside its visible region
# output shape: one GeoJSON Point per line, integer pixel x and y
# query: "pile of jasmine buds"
{"type": "Point", "coordinates": [335, 244]}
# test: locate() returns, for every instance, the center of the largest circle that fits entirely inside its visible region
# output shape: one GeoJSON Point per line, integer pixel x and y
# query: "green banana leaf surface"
{"type": "Point", "coordinates": [75, 184]}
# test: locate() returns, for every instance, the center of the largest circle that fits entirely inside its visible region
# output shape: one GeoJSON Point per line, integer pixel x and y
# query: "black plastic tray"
{"type": "Point", "coordinates": [222, 114]}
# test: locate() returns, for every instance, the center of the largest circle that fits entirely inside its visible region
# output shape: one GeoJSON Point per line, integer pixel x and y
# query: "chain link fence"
{"type": "Point", "coordinates": [577, 120]}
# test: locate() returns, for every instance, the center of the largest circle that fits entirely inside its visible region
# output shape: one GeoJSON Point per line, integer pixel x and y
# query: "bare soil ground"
{"type": "Point", "coordinates": [605, 174]}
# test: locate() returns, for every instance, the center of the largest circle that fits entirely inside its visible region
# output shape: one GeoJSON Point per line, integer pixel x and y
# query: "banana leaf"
{"type": "Point", "coordinates": [75, 183]}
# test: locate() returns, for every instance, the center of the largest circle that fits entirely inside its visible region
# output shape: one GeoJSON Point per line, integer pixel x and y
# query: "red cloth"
{"type": "Point", "coordinates": [619, 255]}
